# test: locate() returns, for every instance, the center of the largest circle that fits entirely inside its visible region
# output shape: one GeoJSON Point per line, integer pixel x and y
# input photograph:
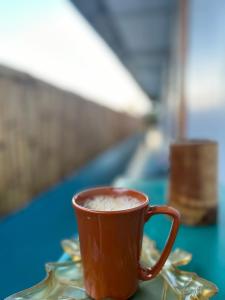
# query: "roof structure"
{"type": "Point", "coordinates": [139, 32]}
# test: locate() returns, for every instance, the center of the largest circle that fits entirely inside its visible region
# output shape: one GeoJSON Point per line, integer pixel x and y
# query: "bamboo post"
{"type": "Point", "coordinates": [193, 180]}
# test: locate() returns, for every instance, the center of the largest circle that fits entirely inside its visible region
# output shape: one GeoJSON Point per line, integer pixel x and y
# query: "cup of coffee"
{"type": "Point", "coordinates": [110, 225]}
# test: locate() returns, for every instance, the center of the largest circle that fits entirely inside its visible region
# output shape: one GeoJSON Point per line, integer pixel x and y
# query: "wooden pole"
{"type": "Point", "coordinates": [193, 180]}
{"type": "Point", "coordinates": [182, 113]}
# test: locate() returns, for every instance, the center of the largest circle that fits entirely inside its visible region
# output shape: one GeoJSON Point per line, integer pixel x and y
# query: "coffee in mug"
{"type": "Point", "coordinates": [110, 225]}
{"type": "Point", "coordinates": [110, 203]}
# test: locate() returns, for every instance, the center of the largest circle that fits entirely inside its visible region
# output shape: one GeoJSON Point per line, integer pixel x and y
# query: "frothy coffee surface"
{"type": "Point", "coordinates": [108, 203]}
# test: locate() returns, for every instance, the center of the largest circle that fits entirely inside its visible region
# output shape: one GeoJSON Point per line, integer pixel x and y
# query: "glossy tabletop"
{"type": "Point", "coordinates": [206, 243]}
{"type": "Point", "coordinates": [33, 234]}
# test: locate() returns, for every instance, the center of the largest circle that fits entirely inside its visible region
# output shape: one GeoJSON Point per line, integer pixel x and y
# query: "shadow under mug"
{"type": "Point", "coordinates": [110, 243]}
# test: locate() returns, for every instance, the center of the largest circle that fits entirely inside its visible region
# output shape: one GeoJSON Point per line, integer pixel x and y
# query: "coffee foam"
{"type": "Point", "coordinates": [109, 203]}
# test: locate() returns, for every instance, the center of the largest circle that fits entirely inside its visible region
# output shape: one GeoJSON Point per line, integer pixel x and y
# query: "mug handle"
{"type": "Point", "coordinates": [150, 273]}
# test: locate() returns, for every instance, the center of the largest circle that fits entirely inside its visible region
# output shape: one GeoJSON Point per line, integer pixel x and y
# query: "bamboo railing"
{"type": "Point", "coordinates": [46, 133]}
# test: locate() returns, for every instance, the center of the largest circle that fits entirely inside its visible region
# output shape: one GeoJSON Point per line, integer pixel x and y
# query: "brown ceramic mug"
{"type": "Point", "coordinates": [111, 241]}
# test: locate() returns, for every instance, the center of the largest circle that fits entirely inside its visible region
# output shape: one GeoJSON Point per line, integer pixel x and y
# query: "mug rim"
{"type": "Point", "coordinates": [123, 191]}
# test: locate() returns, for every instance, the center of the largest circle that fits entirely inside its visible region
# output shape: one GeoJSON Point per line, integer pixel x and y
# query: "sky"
{"type": "Point", "coordinates": [206, 59]}
{"type": "Point", "coordinates": [206, 75]}
{"type": "Point", "coordinates": [51, 40]}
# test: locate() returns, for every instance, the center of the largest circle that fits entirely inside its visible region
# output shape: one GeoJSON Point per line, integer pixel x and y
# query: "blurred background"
{"type": "Point", "coordinates": [92, 91]}
{"type": "Point", "coordinates": [77, 77]}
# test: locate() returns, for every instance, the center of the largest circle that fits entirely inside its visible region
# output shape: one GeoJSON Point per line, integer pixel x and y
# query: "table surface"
{"type": "Point", "coordinates": [206, 243]}
{"type": "Point", "coordinates": [32, 237]}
